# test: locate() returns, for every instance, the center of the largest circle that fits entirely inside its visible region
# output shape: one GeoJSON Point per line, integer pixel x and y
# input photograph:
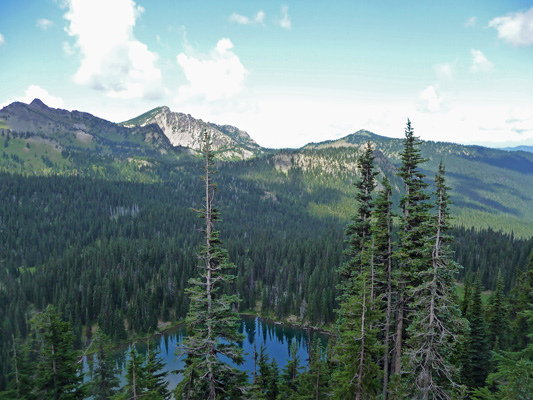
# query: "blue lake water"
{"type": "Point", "coordinates": [277, 339]}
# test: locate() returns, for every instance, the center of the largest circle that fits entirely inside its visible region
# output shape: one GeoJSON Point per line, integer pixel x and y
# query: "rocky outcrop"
{"type": "Point", "coordinates": [184, 130]}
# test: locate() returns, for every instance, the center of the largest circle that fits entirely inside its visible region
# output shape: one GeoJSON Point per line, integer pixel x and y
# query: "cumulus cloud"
{"type": "Point", "coordinates": [285, 21]}
{"type": "Point", "coordinates": [112, 59]}
{"type": "Point", "coordinates": [480, 63]}
{"type": "Point", "coordinates": [37, 92]}
{"type": "Point", "coordinates": [244, 20]}
{"type": "Point", "coordinates": [2, 40]}
{"type": "Point", "coordinates": [515, 28]}
{"type": "Point", "coordinates": [218, 75]}
{"type": "Point", "coordinates": [471, 22]}
{"type": "Point", "coordinates": [44, 24]}
{"type": "Point", "coordinates": [430, 99]}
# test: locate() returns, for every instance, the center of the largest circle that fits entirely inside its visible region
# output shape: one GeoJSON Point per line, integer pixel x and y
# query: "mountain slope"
{"type": "Point", "coordinates": [75, 130]}
{"type": "Point", "coordinates": [184, 130]}
{"type": "Point", "coordinates": [529, 149]}
{"type": "Point", "coordinates": [489, 186]}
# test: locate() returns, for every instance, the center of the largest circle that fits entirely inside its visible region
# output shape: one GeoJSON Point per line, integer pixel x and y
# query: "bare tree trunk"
{"type": "Point", "coordinates": [359, 392]}
{"type": "Point", "coordinates": [397, 357]}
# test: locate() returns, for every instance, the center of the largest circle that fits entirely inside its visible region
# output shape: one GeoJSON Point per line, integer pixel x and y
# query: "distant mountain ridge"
{"type": "Point", "coordinates": [184, 130]}
{"type": "Point", "coordinates": [490, 187]}
{"type": "Point", "coordinates": [75, 130]}
{"type": "Point", "coordinates": [529, 149]}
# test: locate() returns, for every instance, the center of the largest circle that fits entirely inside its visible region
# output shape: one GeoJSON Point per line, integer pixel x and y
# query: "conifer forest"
{"type": "Point", "coordinates": [416, 305]}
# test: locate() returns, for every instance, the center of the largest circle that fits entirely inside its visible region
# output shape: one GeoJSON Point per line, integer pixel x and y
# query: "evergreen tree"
{"type": "Point", "coordinates": [522, 300]}
{"type": "Point", "coordinates": [498, 317]}
{"type": "Point", "coordinates": [382, 234]}
{"type": "Point", "coordinates": [513, 378]}
{"type": "Point", "coordinates": [290, 377]}
{"type": "Point", "coordinates": [104, 383]}
{"type": "Point", "coordinates": [437, 326]}
{"type": "Point", "coordinates": [155, 382]}
{"type": "Point", "coordinates": [211, 321]}
{"type": "Point", "coordinates": [58, 375]}
{"type": "Point", "coordinates": [413, 253]}
{"type": "Point", "coordinates": [476, 353]}
{"type": "Point", "coordinates": [135, 388]}
{"type": "Point", "coordinates": [21, 376]}
{"type": "Point", "coordinates": [313, 384]}
{"type": "Point", "coordinates": [357, 345]}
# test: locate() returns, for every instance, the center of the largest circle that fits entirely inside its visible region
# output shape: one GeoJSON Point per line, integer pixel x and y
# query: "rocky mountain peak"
{"type": "Point", "coordinates": [185, 130]}
{"type": "Point", "coordinates": [37, 103]}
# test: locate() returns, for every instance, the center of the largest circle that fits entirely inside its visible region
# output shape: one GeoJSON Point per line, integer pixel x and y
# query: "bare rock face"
{"type": "Point", "coordinates": [184, 130]}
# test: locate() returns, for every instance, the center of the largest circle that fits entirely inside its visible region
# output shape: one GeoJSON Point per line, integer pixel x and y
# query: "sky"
{"type": "Point", "coordinates": [289, 72]}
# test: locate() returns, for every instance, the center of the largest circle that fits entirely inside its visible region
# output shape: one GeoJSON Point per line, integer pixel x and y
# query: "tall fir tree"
{"type": "Point", "coordinates": [382, 234]}
{"type": "Point", "coordinates": [437, 326]}
{"type": "Point", "coordinates": [413, 254]}
{"type": "Point", "coordinates": [212, 320]}
{"type": "Point", "coordinates": [357, 345]}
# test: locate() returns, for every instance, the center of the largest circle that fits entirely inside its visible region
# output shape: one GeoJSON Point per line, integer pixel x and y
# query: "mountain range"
{"type": "Point", "coordinates": [490, 187]}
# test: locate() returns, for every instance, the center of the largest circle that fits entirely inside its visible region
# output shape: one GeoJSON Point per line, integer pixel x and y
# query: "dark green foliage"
{"type": "Point", "coordinates": [155, 376]}
{"type": "Point", "coordinates": [104, 383]}
{"type": "Point", "coordinates": [357, 347]}
{"type": "Point", "coordinates": [21, 377]}
{"type": "Point", "coordinates": [522, 300]}
{"type": "Point", "coordinates": [289, 379]}
{"type": "Point", "coordinates": [497, 317]}
{"type": "Point", "coordinates": [57, 371]}
{"type": "Point", "coordinates": [513, 378]}
{"type": "Point", "coordinates": [476, 352]}
{"type": "Point", "coordinates": [315, 382]}
{"type": "Point", "coordinates": [382, 236]}
{"type": "Point", "coordinates": [266, 379]}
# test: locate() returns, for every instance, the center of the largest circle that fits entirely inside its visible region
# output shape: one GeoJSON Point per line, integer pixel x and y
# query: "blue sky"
{"type": "Point", "coordinates": [289, 73]}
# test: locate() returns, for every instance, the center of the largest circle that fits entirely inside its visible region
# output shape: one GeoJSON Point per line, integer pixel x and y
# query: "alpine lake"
{"type": "Point", "coordinates": [277, 339]}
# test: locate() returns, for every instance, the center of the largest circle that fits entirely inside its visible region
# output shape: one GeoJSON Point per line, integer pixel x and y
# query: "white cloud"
{"type": "Point", "coordinates": [445, 70]}
{"type": "Point", "coordinates": [285, 21]}
{"type": "Point", "coordinates": [2, 40]}
{"type": "Point", "coordinates": [44, 23]}
{"type": "Point", "coordinates": [260, 17]}
{"type": "Point", "coordinates": [239, 19]}
{"type": "Point", "coordinates": [430, 99]}
{"type": "Point", "coordinates": [471, 22]}
{"type": "Point", "coordinates": [113, 60]}
{"type": "Point", "coordinates": [37, 92]}
{"type": "Point", "coordinates": [219, 75]}
{"type": "Point", "coordinates": [480, 63]}
{"type": "Point", "coordinates": [244, 20]}
{"type": "Point", "coordinates": [515, 28]}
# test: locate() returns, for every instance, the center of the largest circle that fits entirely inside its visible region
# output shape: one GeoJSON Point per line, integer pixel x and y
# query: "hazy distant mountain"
{"type": "Point", "coordinates": [185, 130]}
{"type": "Point", "coordinates": [529, 149]}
